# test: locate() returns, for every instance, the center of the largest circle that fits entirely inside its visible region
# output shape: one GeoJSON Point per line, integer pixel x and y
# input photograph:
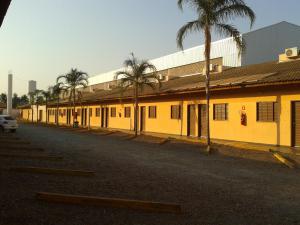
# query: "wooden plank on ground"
{"type": "Point", "coordinates": [16, 142]}
{"type": "Point", "coordinates": [110, 202]}
{"type": "Point", "coordinates": [20, 148]}
{"type": "Point", "coordinates": [26, 156]}
{"type": "Point", "coordinates": [165, 141]}
{"type": "Point", "coordinates": [107, 133]}
{"type": "Point", "coordinates": [283, 159]}
{"type": "Point", "coordinates": [3, 138]}
{"type": "Point", "coordinates": [83, 173]}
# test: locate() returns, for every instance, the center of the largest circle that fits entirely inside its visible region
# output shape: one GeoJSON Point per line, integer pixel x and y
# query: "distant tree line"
{"type": "Point", "coordinates": [16, 100]}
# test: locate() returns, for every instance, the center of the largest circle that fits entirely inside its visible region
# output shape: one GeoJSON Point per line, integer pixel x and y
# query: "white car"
{"type": "Point", "coordinates": [8, 123]}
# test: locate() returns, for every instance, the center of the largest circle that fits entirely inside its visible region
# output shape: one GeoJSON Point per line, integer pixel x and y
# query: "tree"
{"type": "Point", "coordinates": [15, 101]}
{"type": "Point", "coordinates": [39, 100]}
{"type": "Point", "coordinates": [213, 15]}
{"type": "Point", "coordinates": [137, 75]}
{"type": "Point", "coordinates": [47, 95]}
{"type": "Point", "coordinates": [57, 90]}
{"type": "Point", "coordinates": [72, 81]}
{"type": "Point", "coordinates": [31, 101]}
{"type": "Point", "coordinates": [24, 100]}
{"type": "Point", "coordinates": [3, 98]}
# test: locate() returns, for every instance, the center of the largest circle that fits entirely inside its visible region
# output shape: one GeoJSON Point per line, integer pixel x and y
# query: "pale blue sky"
{"type": "Point", "coordinates": [41, 39]}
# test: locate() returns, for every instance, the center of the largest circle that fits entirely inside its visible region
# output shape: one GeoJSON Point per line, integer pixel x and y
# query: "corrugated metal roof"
{"type": "Point", "coordinates": [225, 48]}
{"type": "Point", "coordinates": [266, 73]}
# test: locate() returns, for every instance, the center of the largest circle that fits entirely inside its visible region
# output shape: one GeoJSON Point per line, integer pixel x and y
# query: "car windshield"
{"type": "Point", "coordinates": [8, 118]}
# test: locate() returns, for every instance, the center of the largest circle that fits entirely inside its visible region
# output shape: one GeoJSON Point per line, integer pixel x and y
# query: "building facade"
{"type": "Point", "coordinates": [257, 103]}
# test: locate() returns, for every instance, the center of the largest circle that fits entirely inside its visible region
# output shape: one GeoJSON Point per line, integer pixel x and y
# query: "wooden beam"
{"type": "Point", "coordinates": [283, 159]}
{"type": "Point", "coordinates": [20, 148]}
{"type": "Point", "coordinates": [26, 156]}
{"type": "Point", "coordinates": [83, 173]}
{"type": "Point", "coordinates": [110, 202]}
{"type": "Point", "coordinates": [14, 142]}
{"type": "Point", "coordinates": [107, 133]}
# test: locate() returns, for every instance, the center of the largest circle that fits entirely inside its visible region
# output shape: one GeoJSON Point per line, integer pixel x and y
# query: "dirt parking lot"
{"type": "Point", "coordinates": [213, 189]}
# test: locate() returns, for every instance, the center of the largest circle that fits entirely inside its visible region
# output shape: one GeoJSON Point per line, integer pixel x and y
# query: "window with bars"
{"type": "Point", "coordinates": [220, 112]}
{"type": "Point", "coordinates": [266, 111]}
{"type": "Point", "coordinates": [127, 112]}
{"type": "Point", "coordinates": [175, 112]}
{"type": "Point", "coordinates": [97, 112]}
{"type": "Point", "coordinates": [152, 112]}
{"type": "Point", "coordinates": [91, 112]}
{"type": "Point", "coordinates": [113, 112]}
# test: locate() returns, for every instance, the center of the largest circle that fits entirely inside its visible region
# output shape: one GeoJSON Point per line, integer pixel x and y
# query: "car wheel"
{"type": "Point", "coordinates": [13, 130]}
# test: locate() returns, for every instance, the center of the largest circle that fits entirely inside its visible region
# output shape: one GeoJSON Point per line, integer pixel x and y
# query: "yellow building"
{"type": "Point", "coordinates": [257, 103]}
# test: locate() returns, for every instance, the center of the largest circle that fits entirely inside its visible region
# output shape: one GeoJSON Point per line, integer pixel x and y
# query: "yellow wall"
{"type": "Point", "coordinates": [276, 133]}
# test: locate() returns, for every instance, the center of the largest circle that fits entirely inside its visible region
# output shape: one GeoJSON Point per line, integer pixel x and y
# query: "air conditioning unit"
{"type": "Point", "coordinates": [161, 77]}
{"type": "Point", "coordinates": [292, 52]}
{"type": "Point", "coordinates": [212, 68]}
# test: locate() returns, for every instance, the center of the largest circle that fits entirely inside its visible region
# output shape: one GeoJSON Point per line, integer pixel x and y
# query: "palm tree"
{"type": "Point", "coordinates": [39, 100]}
{"type": "Point", "coordinates": [73, 80]}
{"type": "Point", "coordinates": [31, 101]}
{"type": "Point", "coordinates": [47, 96]}
{"type": "Point", "coordinates": [57, 90]}
{"type": "Point", "coordinates": [137, 75]}
{"type": "Point", "coordinates": [213, 15]}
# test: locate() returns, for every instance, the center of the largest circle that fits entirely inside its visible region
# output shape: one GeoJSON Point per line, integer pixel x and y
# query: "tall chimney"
{"type": "Point", "coordinates": [9, 94]}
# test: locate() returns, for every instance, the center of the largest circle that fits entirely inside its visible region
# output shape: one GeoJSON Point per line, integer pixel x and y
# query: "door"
{"type": "Point", "coordinates": [143, 118]}
{"type": "Point", "coordinates": [41, 115]}
{"type": "Point", "coordinates": [296, 124]}
{"type": "Point", "coordinates": [82, 117]}
{"type": "Point", "coordinates": [104, 117]}
{"type": "Point", "coordinates": [191, 120]}
{"type": "Point", "coordinates": [68, 116]}
{"type": "Point", "coordinates": [202, 124]}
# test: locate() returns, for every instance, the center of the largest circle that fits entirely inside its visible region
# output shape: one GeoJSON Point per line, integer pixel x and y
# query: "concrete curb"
{"type": "Point", "coordinates": [110, 202]}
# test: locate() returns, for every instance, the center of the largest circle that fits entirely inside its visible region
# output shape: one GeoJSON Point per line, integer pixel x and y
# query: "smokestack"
{"type": "Point", "coordinates": [9, 94]}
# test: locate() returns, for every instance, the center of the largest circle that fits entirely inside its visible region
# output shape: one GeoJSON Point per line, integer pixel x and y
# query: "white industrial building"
{"type": "Point", "coordinates": [263, 45]}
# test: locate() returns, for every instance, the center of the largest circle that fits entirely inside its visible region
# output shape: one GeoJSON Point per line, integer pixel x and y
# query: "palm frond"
{"type": "Point", "coordinates": [185, 30]}
{"type": "Point", "coordinates": [230, 30]}
{"type": "Point", "coordinates": [238, 9]}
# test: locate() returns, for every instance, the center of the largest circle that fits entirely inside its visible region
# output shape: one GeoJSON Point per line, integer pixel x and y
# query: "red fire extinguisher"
{"type": "Point", "coordinates": [243, 119]}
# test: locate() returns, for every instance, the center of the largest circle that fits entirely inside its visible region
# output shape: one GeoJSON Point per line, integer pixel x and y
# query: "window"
{"type": "Point", "coordinates": [65, 111]}
{"type": "Point", "coordinates": [266, 111]}
{"type": "Point", "coordinates": [91, 112]}
{"type": "Point", "coordinates": [220, 111]}
{"type": "Point", "coordinates": [175, 112]}
{"type": "Point", "coordinates": [152, 112]}
{"type": "Point", "coordinates": [97, 112]}
{"type": "Point", "coordinates": [113, 112]}
{"type": "Point", "coordinates": [127, 112]}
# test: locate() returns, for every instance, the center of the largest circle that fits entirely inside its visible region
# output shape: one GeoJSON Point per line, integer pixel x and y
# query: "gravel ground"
{"type": "Point", "coordinates": [213, 189]}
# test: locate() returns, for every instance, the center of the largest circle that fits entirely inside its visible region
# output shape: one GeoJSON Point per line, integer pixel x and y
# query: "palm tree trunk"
{"type": "Point", "coordinates": [46, 111]}
{"type": "Point", "coordinates": [74, 108]}
{"type": "Point", "coordinates": [57, 104]}
{"type": "Point", "coordinates": [207, 83]}
{"type": "Point", "coordinates": [136, 109]}
{"type": "Point", "coordinates": [31, 114]}
{"type": "Point", "coordinates": [37, 113]}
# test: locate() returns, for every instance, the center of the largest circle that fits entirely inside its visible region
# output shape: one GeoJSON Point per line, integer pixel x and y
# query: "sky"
{"type": "Point", "coordinates": [42, 39]}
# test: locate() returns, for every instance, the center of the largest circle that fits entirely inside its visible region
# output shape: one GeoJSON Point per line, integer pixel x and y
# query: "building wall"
{"type": "Point", "coordinates": [267, 43]}
{"type": "Point", "coordinates": [275, 133]}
